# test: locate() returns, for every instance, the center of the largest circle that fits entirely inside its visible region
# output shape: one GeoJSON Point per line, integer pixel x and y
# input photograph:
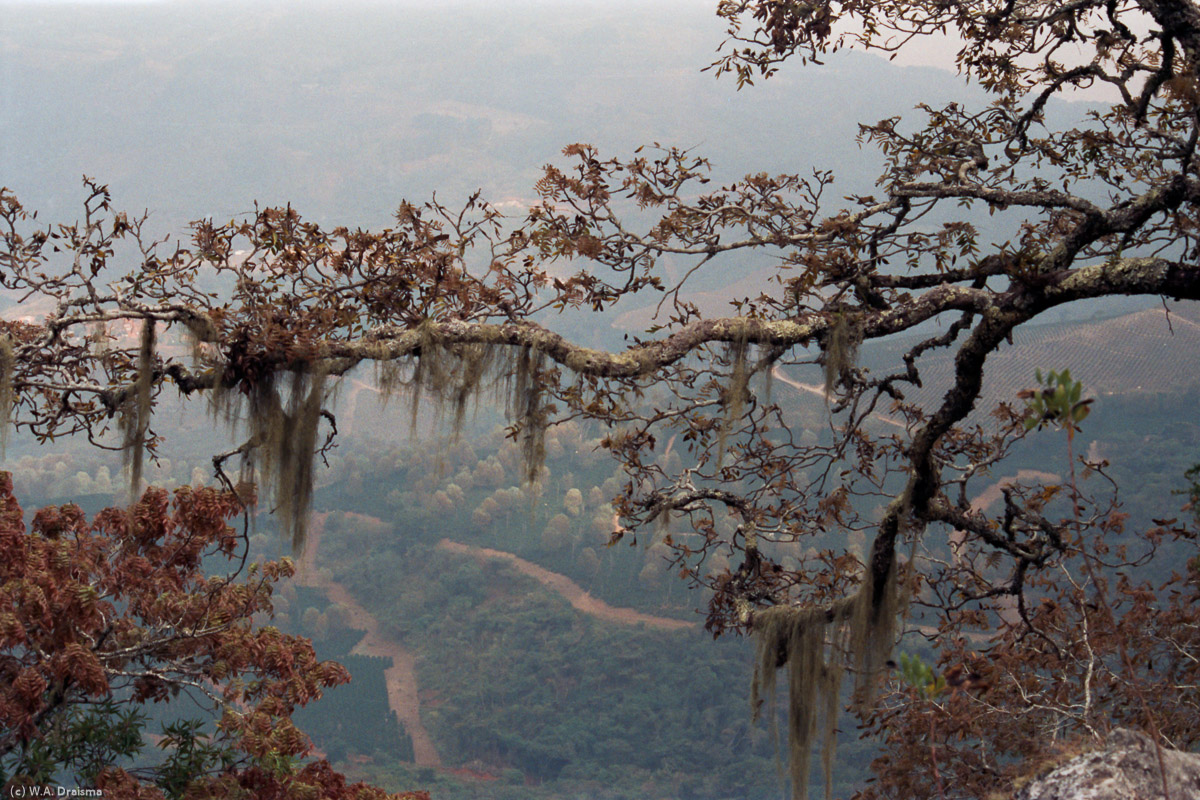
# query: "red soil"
{"type": "Point", "coordinates": [572, 592]}
{"type": "Point", "coordinates": [400, 678]}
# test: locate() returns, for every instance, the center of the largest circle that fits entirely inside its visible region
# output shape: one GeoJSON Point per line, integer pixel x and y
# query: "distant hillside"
{"type": "Point", "coordinates": [199, 109]}
{"type": "Point", "coordinates": [1141, 353]}
{"type": "Point", "coordinates": [1146, 352]}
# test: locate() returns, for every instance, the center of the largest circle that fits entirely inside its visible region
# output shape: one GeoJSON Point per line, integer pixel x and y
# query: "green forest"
{"type": "Point", "coordinates": [523, 695]}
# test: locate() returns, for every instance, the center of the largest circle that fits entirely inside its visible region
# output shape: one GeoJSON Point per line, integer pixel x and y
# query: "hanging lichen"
{"type": "Point", "coordinates": [203, 338]}
{"type": "Point", "coordinates": [735, 397]}
{"type": "Point", "coordinates": [662, 528]}
{"type": "Point", "coordinates": [474, 364]}
{"type": "Point", "coordinates": [389, 374]}
{"type": "Point", "coordinates": [768, 379]}
{"type": "Point", "coordinates": [282, 424]}
{"type": "Point", "coordinates": [528, 408]}
{"type": "Point", "coordinates": [794, 638]}
{"type": "Point", "coordinates": [872, 631]}
{"type": "Point", "coordinates": [283, 435]}
{"type": "Point", "coordinates": [99, 339]}
{"type": "Point", "coordinates": [452, 375]}
{"type": "Point", "coordinates": [816, 645]}
{"type": "Point", "coordinates": [286, 438]}
{"type": "Point", "coordinates": [135, 411]}
{"type": "Point", "coordinates": [426, 373]}
{"type": "Point", "coordinates": [201, 329]}
{"type": "Point", "coordinates": [841, 351]}
{"type": "Point", "coordinates": [8, 368]}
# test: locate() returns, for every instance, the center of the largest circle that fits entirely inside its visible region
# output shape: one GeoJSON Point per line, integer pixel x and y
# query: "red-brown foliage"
{"type": "Point", "coordinates": [121, 607]}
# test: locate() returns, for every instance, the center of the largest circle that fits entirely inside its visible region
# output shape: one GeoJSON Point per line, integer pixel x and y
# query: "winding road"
{"type": "Point", "coordinates": [819, 391]}
{"type": "Point", "coordinates": [984, 500]}
{"type": "Point", "coordinates": [401, 677]}
{"type": "Point", "coordinates": [572, 592]}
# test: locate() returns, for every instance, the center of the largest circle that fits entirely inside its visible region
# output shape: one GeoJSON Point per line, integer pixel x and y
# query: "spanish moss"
{"type": "Point", "coordinates": [841, 351]}
{"type": "Point", "coordinates": [528, 408]}
{"type": "Point", "coordinates": [455, 376]}
{"type": "Point", "coordinates": [8, 366]}
{"type": "Point", "coordinates": [287, 441]}
{"type": "Point", "coordinates": [136, 411]}
{"type": "Point", "coordinates": [817, 645]}
{"type": "Point", "coordinates": [735, 397]}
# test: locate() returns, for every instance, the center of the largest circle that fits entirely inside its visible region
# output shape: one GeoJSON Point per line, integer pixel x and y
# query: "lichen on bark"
{"type": "Point", "coordinates": [8, 364]}
{"type": "Point", "coordinates": [817, 644]}
{"type": "Point", "coordinates": [134, 420]}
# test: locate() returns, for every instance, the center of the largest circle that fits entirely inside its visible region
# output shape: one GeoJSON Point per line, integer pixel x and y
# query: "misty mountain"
{"type": "Point", "coordinates": [202, 109]}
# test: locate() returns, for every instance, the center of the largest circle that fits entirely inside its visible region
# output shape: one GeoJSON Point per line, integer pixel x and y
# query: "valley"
{"type": "Point", "coordinates": [400, 678]}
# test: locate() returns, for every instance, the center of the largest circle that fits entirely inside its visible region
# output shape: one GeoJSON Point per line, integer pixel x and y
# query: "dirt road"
{"type": "Point", "coordinates": [819, 391]}
{"type": "Point", "coordinates": [572, 592]}
{"type": "Point", "coordinates": [984, 500]}
{"type": "Point", "coordinates": [400, 678]}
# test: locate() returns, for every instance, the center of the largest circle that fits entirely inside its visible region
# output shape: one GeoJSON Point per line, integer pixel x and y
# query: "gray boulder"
{"type": "Point", "coordinates": [1126, 768]}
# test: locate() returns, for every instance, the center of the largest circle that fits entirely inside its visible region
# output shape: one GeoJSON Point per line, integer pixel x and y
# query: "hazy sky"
{"type": "Point", "coordinates": [933, 52]}
{"type": "Point", "coordinates": [204, 108]}
{"type": "Point", "coordinates": [345, 108]}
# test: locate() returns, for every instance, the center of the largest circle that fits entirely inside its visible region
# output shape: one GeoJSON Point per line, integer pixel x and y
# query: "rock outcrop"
{"type": "Point", "coordinates": [1126, 768]}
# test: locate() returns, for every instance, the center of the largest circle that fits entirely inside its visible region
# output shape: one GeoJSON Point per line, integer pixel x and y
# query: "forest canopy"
{"type": "Point", "coordinates": [458, 304]}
